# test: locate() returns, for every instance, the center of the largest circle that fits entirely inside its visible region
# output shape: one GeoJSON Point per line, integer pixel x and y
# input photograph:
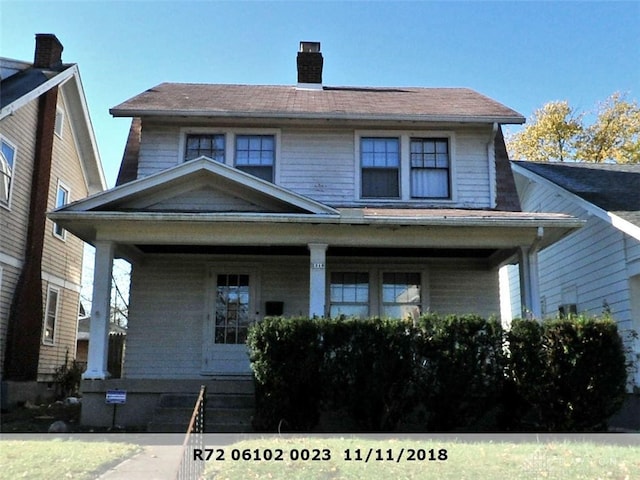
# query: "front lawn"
{"type": "Point", "coordinates": [353, 458]}
{"type": "Point", "coordinates": [60, 459]}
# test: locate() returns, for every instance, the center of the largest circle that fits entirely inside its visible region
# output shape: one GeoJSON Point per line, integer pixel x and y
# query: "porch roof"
{"type": "Point", "coordinates": [366, 228]}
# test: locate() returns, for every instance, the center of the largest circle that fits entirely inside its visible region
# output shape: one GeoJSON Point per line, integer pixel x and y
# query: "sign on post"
{"type": "Point", "coordinates": [116, 397]}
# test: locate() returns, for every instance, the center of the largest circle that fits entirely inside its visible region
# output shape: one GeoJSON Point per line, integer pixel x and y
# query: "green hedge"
{"type": "Point", "coordinates": [453, 373]}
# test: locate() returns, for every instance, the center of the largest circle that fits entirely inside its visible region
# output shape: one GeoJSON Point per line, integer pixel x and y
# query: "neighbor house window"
{"type": "Point", "coordinates": [50, 316]}
{"type": "Point", "coordinates": [211, 146]}
{"type": "Point", "coordinates": [401, 295]}
{"type": "Point", "coordinates": [7, 161]}
{"type": "Point", "coordinates": [59, 124]}
{"type": "Point", "coordinates": [429, 167]}
{"type": "Point", "coordinates": [255, 154]}
{"type": "Point", "coordinates": [380, 163]}
{"type": "Point", "coordinates": [349, 294]}
{"type": "Point", "coordinates": [62, 198]}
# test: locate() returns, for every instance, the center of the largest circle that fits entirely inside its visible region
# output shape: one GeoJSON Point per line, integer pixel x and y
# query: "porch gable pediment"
{"type": "Point", "coordinates": [201, 186]}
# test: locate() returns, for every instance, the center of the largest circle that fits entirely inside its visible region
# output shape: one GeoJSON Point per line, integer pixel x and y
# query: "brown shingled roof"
{"type": "Point", "coordinates": [399, 103]}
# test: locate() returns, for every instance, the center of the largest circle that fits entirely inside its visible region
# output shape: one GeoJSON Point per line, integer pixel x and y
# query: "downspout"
{"type": "Point", "coordinates": [491, 162]}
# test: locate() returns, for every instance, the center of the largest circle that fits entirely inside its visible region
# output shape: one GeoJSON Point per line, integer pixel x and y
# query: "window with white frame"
{"type": "Point", "coordinates": [429, 160]}
{"type": "Point", "coordinates": [401, 295]}
{"type": "Point", "coordinates": [7, 168]}
{"type": "Point", "coordinates": [349, 294]}
{"type": "Point", "coordinates": [59, 123]}
{"type": "Point", "coordinates": [255, 154]}
{"type": "Point", "coordinates": [380, 167]}
{"type": "Point", "coordinates": [50, 316]}
{"type": "Point", "coordinates": [208, 145]}
{"type": "Point", "coordinates": [62, 198]}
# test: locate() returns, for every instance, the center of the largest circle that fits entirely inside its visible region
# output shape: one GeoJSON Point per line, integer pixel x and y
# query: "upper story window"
{"type": "Point", "coordinates": [255, 154]}
{"type": "Point", "coordinates": [7, 162]}
{"type": "Point", "coordinates": [429, 158]}
{"type": "Point", "coordinates": [380, 163]}
{"type": "Point", "coordinates": [62, 198]}
{"type": "Point", "coordinates": [405, 166]}
{"type": "Point", "coordinates": [59, 124]}
{"type": "Point", "coordinates": [208, 145]}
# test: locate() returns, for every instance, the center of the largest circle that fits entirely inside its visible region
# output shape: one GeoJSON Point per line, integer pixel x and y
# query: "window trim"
{"type": "Point", "coordinates": [61, 185]}
{"type": "Point", "coordinates": [12, 145]}
{"type": "Point", "coordinates": [230, 135]}
{"type": "Point", "coordinates": [404, 137]}
{"type": "Point", "coordinates": [55, 315]}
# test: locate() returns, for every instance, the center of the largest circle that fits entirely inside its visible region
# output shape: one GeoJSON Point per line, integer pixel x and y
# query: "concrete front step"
{"type": "Point", "coordinates": [224, 412]}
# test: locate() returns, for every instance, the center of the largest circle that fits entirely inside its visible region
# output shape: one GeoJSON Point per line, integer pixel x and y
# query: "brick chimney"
{"type": "Point", "coordinates": [48, 52]}
{"type": "Point", "coordinates": [310, 65]}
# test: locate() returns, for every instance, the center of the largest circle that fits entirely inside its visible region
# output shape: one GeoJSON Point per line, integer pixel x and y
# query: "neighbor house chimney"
{"type": "Point", "coordinates": [310, 65]}
{"type": "Point", "coordinates": [48, 52]}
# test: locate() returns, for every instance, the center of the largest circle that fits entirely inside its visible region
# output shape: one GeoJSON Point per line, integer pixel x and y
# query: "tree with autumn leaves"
{"type": "Point", "coordinates": [558, 133]}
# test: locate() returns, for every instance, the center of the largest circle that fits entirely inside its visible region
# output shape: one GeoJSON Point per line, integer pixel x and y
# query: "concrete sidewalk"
{"type": "Point", "coordinates": [155, 462]}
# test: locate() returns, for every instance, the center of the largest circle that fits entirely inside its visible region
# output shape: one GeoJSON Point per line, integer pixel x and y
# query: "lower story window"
{"type": "Point", "coordinates": [401, 295]}
{"type": "Point", "coordinates": [50, 316]}
{"type": "Point", "coordinates": [349, 294]}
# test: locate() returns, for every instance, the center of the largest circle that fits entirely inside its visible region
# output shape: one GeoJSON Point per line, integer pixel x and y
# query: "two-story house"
{"type": "Point", "coordinates": [236, 202]}
{"type": "Point", "coordinates": [48, 158]}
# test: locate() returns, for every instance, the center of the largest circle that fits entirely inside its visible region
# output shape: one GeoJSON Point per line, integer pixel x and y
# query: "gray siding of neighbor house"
{"type": "Point", "coordinates": [321, 163]}
{"type": "Point", "coordinates": [589, 267]}
{"type": "Point", "coordinates": [171, 299]}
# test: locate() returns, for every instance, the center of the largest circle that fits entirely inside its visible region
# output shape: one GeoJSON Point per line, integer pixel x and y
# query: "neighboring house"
{"type": "Point", "coordinates": [48, 158]}
{"type": "Point", "coordinates": [236, 202]}
{"type": "Point", "coordinates": [117, 335]}
{"type": "Point", "coordinates": [595, 270]}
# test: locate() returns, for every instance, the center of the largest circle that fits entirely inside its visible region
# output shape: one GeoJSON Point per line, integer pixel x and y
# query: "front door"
{"type": "Point", "coordinates": [232, 311]}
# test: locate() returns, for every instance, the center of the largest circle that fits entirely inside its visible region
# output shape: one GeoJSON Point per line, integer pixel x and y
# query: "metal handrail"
{"type": "Point", "coordinates": [194, 438]}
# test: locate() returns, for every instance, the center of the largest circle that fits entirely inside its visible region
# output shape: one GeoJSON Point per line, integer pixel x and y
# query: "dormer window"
{"type": "Point", "coordinates": [208, 145]}
{"type": "Point", "coordinates": [255, 154]}
{"type": "Point", "coordinates": [380, 161]}
{"type": "Point", "coordinates": [429, 167]}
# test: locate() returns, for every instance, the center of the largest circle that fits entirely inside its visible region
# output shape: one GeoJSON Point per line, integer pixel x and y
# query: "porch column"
{"type": "Point", "coordinates": [100, 312]}
{"type": "Point", "coordinates": [317, 279]}
{"type": "Point", "coordinates": [529, 282]}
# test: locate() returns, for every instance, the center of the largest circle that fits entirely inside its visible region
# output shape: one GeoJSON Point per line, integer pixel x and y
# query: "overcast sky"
{"type": "Point", "coordinates": [522, 54]}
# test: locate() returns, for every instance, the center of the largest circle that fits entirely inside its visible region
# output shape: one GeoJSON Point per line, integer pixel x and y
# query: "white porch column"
{"type": "Point", "coordinates": [100, 312]}
{"type": "Point", "coordinates": [317, 279]}
{"type": "Point", "coordinates": [529, 282]}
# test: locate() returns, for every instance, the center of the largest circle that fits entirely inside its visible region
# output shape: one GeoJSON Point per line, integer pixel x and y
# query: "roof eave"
{"type": "Point", "coordinates": [502, 119]}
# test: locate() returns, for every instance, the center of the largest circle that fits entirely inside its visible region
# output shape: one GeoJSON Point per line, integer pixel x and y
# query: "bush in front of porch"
{"type": "Point", "coordinates": [439, 373]}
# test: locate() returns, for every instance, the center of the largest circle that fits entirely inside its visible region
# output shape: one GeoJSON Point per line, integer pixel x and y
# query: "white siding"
{"type": "Point", "coordinates": [321, 163]}
{"type": "Point", "coordinates": [592, 261]}
{"type": "Point", "coordinates": [462, 288]}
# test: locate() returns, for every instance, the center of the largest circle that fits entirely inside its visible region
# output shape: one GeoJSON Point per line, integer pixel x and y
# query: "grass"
{"type": "Point", "coordinates": [464, 460]}
{"type": "Point", "coordinates": [60, 459]}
